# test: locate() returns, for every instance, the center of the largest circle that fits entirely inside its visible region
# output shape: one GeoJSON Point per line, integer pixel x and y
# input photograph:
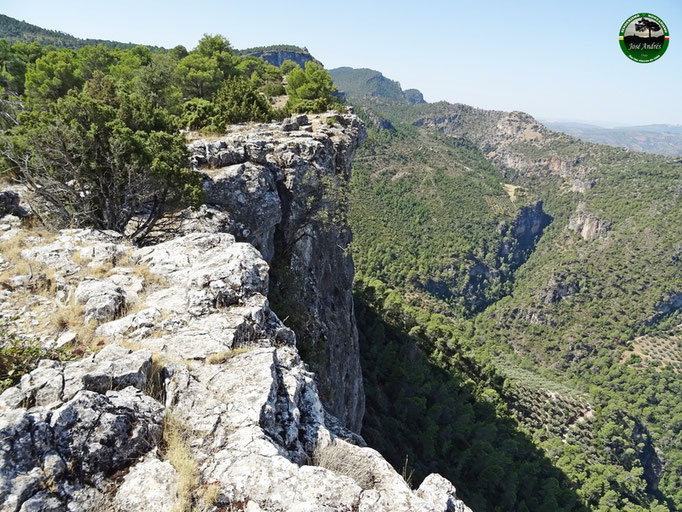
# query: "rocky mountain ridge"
{"type": "Point", "coordinates": [277, 54]}
{"type": "Point", "coordinates": [199, 385]}
{"type": "Point", "coordinates": [16, 31]}
{"type": "Point", "coordinates": [498, 134]}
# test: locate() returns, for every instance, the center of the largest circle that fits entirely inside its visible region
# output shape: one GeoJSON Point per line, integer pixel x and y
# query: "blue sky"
{"type": "Point", "coordinates": [553, 59]}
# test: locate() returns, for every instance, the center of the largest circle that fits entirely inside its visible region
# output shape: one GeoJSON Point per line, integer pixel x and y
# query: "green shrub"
{"type": "Point", "coordinates": [196, 114]}
{"type": "Point", "coordinates": [18, 358]}
{"type": "Point", "coordinates": [311, 90]}
{"type": "Point", "coordinates": [238, 101]}
{"type": "Point", "coordinates": [273, 89]}
{"type": "Point", "coordinates": [100, 162]}
{"type": "Point", "coordinates": [287, 66]}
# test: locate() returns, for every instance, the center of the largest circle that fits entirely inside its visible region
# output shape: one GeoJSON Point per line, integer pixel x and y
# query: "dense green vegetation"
{"type": "Point", "coordinates": [310, 89]}
{"type": "Point", "coordinates": [442, 417]}
{"type": "Point", "coordinates": [441, 238]}
{"type": "Point", "coordinates": [96, 132]}
{"type": "Point", "coordinates": [550, 336]}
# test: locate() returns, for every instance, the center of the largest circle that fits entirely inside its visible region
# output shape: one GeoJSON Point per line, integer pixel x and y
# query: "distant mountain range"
{"type": "Point", "coordinates": [664, 139]}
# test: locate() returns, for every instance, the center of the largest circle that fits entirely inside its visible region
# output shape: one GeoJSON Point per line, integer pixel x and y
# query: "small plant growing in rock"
{"type": "Point", "coordinates": [344, 461]}
{"type": "Point", "coordinates": [407, 472]}
{"type": "Point", "coordinates": [18, 357]}
{"type": "Point", "coordinates": [224, 356]}
{"type": "Point", "coordinates": [177, 453]}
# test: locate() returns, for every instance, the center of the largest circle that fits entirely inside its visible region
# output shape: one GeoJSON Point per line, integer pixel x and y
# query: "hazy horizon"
{"type": "Point", "coordinates": [489, 55]}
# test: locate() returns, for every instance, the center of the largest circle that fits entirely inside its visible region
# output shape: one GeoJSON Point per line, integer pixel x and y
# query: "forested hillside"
{"type": "Point", "coordinates": [361, 83]}
{"type": "Point", "coordinates": [15, 31]}
{"type": "Point", "coordinates": [540, 274]}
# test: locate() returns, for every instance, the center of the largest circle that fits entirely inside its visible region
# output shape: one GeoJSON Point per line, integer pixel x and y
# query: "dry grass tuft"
{"type": "Point", "coordinates": [177, 452]}
{"type": "Point", "coordinates": [78, 259]}
{"type": "Point", "coordinates": [407, 472]}
{"type": "Point", "coordinates": [42, 278]}
{"type": "Point", "coordinates": [210, 493]}
{"type": "Point", "coordinates": [224, 356]}
{"type": "Point", "coordinates": [11, 252]}
{"type": "Point", "coordinates": [72, 317]}
{"type": "Point", "coordinates": [44, 282]}
{"type": "Point", "coordinates": [124, 261]}
{"type": "Point", "coordinates": [66, 317]}
{"type": "Point", "coordinates": [151, 280]}
{"type": "Point", "coordinates": [86, 338]}
{"type": "Point", "coordinates": [155, 385]}
{"type": "Point", "coordinates": [343, 460]}
{"type": "Point", "coordinates": [99, 271]}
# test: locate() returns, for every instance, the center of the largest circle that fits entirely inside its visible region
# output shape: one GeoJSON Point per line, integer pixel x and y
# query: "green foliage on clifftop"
{"type": "Point", "coordinates": [96, 131]}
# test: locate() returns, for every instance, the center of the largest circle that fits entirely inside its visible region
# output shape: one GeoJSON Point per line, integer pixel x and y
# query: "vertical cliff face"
{"type": "Point", "coordinates": [282, 189]}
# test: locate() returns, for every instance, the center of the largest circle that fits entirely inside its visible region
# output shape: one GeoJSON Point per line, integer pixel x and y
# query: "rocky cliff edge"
{"type": "Point", "coordinates": [192, 394]}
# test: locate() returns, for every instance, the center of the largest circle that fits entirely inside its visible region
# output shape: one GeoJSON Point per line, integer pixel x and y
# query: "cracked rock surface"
{"type": "Point", "coordinates": [276, 186]}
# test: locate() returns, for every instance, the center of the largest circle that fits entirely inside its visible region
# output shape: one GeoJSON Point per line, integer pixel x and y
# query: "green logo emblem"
{"type": "Point", "coordinates": [644, 37]}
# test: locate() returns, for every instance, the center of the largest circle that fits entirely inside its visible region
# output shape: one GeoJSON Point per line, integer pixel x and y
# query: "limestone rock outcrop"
{"type": "Point", "coordinates": [211, 359]}
{"type": "Point", "coordinates": [277, 57]}
{"type": "Point", "coordinates": [279, 188]}
{"type": "Point", "coordinates": [588, 225]}
{"type": "Point", "coordinates": [523, 233]}
{"type": "Point", "coordinates": [501, 135]}
{"type": "Point", "coordinates": [67, 427]}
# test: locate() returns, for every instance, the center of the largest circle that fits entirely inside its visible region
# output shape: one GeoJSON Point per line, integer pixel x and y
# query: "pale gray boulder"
{"type": "Point", "coordinates": [440, 494]}
{"type": "Point", "coordinates": [151, 484]}
{"type": "Point", "coordinates": [112, 368]}
{"type": "Point", "coordinates": [75, 445]}
{"type": "Point", "coordinates": [102, 300]}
